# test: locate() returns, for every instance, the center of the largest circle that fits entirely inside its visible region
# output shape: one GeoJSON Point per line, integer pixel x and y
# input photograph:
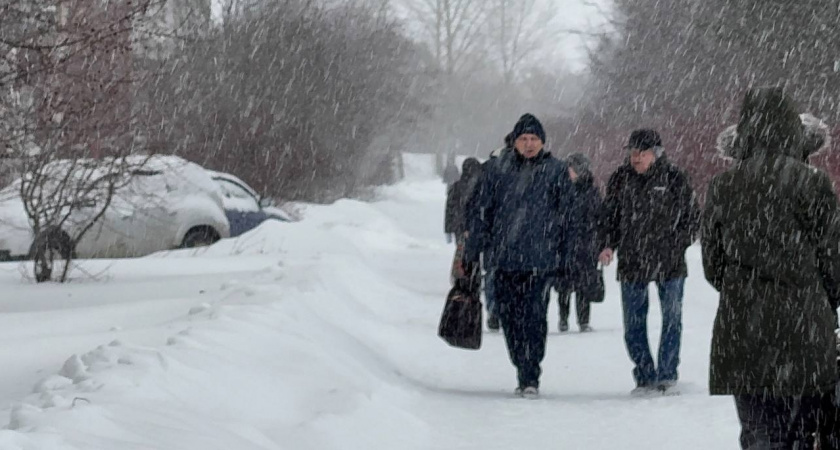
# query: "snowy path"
{"type": "Point", "coordinates": [298, 337]}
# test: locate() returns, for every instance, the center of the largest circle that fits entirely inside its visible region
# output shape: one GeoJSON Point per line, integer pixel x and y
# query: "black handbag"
{"type": "Point", "coordinates": [460, 323]}
{"type": "Point", "coordinates": [596, 289]}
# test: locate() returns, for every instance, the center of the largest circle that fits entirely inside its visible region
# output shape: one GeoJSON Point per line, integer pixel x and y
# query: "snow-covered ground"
{"type": "Point", "coordinates": [321, 334]}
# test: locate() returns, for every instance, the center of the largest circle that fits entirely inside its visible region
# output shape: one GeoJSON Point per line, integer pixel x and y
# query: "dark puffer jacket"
{"type": "Point", "coordinates": [522, 214]}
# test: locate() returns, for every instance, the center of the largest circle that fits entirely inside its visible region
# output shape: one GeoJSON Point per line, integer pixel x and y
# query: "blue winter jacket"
{"type": "Point", "coordinates": [520, 214]}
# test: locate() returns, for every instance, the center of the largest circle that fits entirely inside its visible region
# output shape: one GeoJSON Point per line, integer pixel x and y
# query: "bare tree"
{"type": "Point", "coordinates": [231, 10]}
{"type": "Point", "coordinates": [66, 112]}
{"type": "Point", "coordinates": [453, 28]}
{"type": "Point", "coordinates": [517, 29]}
{"type": "Point", "coordinates": [683, 69]}
{"type": "Point", "coordinates": [295, 98]}
{"type": "Point", "coordinates": [167, 24]}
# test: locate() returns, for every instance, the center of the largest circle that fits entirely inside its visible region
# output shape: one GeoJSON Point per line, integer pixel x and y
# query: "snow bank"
{"type": "Point", "coordinates": [332, 345]}
{"type": "Point", "coordinates": [280, 361]}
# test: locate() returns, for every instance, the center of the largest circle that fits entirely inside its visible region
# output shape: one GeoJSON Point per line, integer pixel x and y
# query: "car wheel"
{"type": "Point", "coordinates": [200, 237]}
{"type": "Point", "coordinates": [47, 248]}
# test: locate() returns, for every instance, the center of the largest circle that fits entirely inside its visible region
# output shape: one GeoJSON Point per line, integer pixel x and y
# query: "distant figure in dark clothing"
{"type": "Point", "coordinates": [493, 323]}
{"type": "Point", "coordinates": [450, 172]}
{"type": "Point", "coordinates": [509, 143]}
{"type": "Point", "coordinates": [456, 218]}
{"type": "Point", "coordinates": [459, 194]}
{"type": "Point", "coordinates": [581, 272]}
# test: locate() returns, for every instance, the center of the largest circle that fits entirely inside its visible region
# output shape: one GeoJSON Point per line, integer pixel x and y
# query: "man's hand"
{"type": "Point", "coordinates": [606, 257]}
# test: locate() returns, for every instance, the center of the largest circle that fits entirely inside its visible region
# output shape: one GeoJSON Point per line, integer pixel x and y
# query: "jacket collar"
{"type": "Point", "coordinates": [657, 166]}
{"type": "Point", "coordinates": [541, 156]}
{"type": "Point", "coordinates": [584, 182]}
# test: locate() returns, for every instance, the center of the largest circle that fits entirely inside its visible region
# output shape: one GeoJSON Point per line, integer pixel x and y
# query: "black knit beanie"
{"type": "Point", "coordinates": [528, 124]}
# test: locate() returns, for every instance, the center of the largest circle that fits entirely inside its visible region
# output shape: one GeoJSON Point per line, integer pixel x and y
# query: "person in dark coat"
{"type": "Point", "coordinates": [522, 226]}
{"type": "Point", "coordinates": [771, 247]}
{"type": "Point", "coordinates": [508, 141]}
{"type": "Point", "coordinates": [450, 172]}
{"type": "Point", "coordinates": [650, 217]}
{"type": "Point", "coordinates": [455, 221]}
{"type": "Point", "coordinates": [581, 276]}
{"type": "Point", "coordinates": [493, 323]}
{"type": "Point", "coordinates": [458, 209]}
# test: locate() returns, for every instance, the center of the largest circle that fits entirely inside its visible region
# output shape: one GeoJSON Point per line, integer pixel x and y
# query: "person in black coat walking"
{"type": "Point", "coordinates": [493, 323]}
{"type": "Point", "coordinates": [450, 171]}
{"type": "Point", "coordinates": [458, 210]}
{"type": "Point", "coordinates": [458, 196]}
{"type": "Point", "coordinates": [650, 217]}
{"type": "Point", "coordinates": [521, 228]}
{"type": "Point", "coordinates": [581, 275]}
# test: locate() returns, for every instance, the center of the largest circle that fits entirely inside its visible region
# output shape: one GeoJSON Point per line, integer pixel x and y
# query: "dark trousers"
{"type": "Point", "coordinates": [829, 422]}
{"type": "Point", "coordinates": [790, 423]}
{"type": "Point", "coordinates": [522, 305]}
{"type": "Point", "coordinates": [564, 300]}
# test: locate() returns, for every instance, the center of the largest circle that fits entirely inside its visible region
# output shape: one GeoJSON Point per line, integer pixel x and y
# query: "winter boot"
{"type": "Point", "coordinates": [493, 323]}
{"type": "Point", "coordinates": [563, 326]}
{"type": "Point", "coordinates": [585, 328]}
{"type": "Point", "coordinates": [643, 391]}
{"type": "Point", "coordinates": [668, 388]}
{"type": "Point", "coordinates": [530, 393]}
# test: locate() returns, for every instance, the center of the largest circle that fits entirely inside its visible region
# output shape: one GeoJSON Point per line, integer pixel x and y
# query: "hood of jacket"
{"type": "Point", "coordinates": [769, 123]}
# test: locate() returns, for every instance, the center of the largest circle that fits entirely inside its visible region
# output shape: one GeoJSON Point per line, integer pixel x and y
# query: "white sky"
{"type": "Point", "coordinates": [569, 49]}
{"type": "Point", "coordinates": [577, 14]}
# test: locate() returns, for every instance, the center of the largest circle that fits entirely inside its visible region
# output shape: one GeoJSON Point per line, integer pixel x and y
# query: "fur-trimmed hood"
{"type": "Point", "coordinates": [816, 137]}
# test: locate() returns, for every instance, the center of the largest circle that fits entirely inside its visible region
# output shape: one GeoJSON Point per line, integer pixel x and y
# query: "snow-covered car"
{"type": "Point", "coordinates": [166, 203]}
{"type": "Point", "coordinates": [245, 209]}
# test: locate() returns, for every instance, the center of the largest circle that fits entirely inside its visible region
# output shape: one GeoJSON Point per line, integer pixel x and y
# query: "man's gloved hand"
{"type": "Point", "coordinates": [448, 238]}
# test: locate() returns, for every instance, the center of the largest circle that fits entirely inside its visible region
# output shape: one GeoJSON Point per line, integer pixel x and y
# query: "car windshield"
{"type": "Point", "coordinates": [233, 190]}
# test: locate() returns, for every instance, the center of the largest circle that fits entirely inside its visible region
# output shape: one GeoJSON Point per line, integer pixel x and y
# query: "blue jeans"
{"type": "Point", "coordinates": [634, 300]}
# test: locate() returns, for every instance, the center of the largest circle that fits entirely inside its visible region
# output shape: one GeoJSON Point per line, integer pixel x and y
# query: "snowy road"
{"type": "Point", "coordinates": [321, 335]}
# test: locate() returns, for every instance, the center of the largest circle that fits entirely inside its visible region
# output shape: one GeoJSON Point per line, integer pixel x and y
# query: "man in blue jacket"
{"type": "Point", "coordinates": [521, 226]}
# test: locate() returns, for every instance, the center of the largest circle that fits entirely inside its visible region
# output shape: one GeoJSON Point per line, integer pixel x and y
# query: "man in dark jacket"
{"type": "Point", "coordinates": [524, 201]}
{"type": "Point", "coordinates": [582, 276]}
{"type": "Point", "coordinates": [770, 238]}
{"type": "Point", "coordinates": [650, 217]}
